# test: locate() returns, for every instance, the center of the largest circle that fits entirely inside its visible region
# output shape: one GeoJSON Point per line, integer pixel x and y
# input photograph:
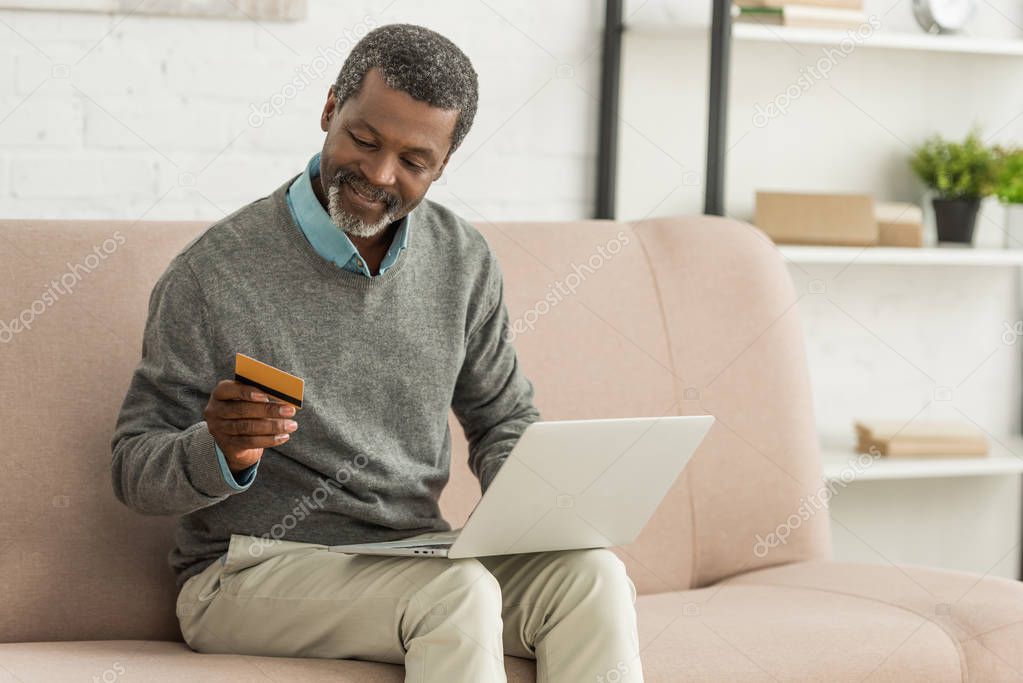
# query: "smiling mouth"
{"type": "Point", "coordinates": [364, 198]}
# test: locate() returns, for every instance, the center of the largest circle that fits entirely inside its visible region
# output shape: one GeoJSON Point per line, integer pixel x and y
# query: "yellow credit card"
{"type": "Point", "coordinates": [270, 380]}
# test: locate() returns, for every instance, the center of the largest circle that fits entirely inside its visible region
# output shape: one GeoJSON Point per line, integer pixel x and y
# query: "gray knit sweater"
{"type": "Point", "coordinates": [383, 358]}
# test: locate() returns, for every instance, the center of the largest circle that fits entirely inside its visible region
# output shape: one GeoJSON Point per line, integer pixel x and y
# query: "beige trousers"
{"type": "Point", "coordinates": [573, 611]}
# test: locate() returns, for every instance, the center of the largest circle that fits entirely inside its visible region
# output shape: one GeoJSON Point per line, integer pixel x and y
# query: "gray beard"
{"type": "Point", "coordinates": [350, 223]}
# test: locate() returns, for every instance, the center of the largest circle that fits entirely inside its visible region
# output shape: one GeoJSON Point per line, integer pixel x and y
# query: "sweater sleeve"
{"type": "Point", "coordinates": [493, 399]}
{"type": "Point", "coordinates": [240, 481]}
{"type": "Point", "coordinates": [165, 460]}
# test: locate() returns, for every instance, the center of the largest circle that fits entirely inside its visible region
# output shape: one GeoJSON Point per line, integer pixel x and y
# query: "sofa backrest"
{"type": "Point", "coordinates": [674, 316]}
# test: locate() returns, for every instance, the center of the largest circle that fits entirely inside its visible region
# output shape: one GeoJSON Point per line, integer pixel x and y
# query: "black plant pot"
{"type": "Point", "coordinates": [955, 219]}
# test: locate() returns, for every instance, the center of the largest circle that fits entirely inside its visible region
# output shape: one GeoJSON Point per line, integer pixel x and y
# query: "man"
{"type": "Point", "coordinates": [392, 309]}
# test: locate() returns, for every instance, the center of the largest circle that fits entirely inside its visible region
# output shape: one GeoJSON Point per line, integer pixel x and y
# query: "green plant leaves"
{"type": "Point", "coordinates": [1009, 186]}
{"type": "Point", "coordinates": [957, 170]}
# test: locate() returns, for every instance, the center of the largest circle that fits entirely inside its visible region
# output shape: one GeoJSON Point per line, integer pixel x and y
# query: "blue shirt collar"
{"type": "Point", "coordinates": [323, 234]}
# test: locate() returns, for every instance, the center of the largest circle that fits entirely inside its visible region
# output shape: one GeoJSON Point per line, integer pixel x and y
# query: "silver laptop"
{"type": "Point", "coordinates": [567, 484]}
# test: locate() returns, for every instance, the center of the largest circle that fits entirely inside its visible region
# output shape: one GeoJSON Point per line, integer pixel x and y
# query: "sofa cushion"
{"type": "Point", "coordinates": [588, 331]}
{"type": "Point", "coordinates": [982, 616]}
{"type": "Point", "coordinates": [750, 632]}
{"type": "Point", "coordinates": [731, 314]}
{"type": "Point", "coordinates": [77, 565]}
{"type": "Point", "coordinates": [155, 661]}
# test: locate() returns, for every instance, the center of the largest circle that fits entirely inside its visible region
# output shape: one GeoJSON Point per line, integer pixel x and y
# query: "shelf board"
{"type": "Point", "coordinates": [920, 42]}
{"type": "Point", "coordinates": [895, 41]}
{"type": "Point", "coordinates": [839, 458]}
{"type": "Point", "coordinates": [923, 256]}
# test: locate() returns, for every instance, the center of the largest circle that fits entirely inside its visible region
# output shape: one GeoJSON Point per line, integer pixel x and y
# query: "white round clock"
{"type": "Point", "coordinates": [943, 16]}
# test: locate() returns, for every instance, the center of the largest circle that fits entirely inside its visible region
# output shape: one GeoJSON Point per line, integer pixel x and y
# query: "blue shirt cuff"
{"type": "Point", "coordinates": [240, 481]}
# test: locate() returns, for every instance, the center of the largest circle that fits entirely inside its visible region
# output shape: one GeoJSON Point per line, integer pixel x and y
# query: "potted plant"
{"type": "Point", "coordinates": [960, 174]}
{"type": "Point", "coordinates": [1009, 189]}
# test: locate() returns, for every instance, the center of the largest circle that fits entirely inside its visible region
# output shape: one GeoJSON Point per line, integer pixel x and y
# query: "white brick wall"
{"type": "Point", "coordinates": [77, 176]}
{"type": "Point", "coordinates": [124, 115]}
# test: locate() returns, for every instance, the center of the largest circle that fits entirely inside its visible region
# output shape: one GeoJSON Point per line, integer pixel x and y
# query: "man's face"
{"type": "Point", "coordinates": [383, 151]}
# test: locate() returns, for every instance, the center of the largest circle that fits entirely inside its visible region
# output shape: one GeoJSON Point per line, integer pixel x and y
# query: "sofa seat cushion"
{"type": "Point", "coordinates": [745, 632]}
{"type": "Point", "coordinates": [979, 617]}
{"type": "Point", "coordinates": [154, 661]}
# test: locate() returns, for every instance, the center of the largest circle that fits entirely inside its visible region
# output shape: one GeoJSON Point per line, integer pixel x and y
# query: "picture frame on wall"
{"type": "Point", "coordinates": [264, 10]}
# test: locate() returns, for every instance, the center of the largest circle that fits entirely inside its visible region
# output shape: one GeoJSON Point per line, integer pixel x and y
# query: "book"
{"type": "Point", "coordinates": [803, 16]}
{"type": "Point", "coordinates": [921, 438]}
{"type": "Point", "coordinates": [834, 4]}
{"type": "Point", "coordinates": [923, 449]}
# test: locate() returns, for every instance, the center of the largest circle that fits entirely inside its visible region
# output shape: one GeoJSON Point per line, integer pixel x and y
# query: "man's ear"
{"type": "Point", "coordinates": [329, 109]}
{"type": "Point", "coordinates": [443, 165]}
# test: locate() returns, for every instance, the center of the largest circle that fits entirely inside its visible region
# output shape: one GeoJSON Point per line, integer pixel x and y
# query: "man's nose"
{"type": "Point", "coordinates": [379, 172]}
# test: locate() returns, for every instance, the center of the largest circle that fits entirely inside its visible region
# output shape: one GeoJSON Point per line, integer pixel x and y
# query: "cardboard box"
{"type": "Point", "coordinates": [817, 218]}
{"type": "Point", "coordinates": [899, 224]}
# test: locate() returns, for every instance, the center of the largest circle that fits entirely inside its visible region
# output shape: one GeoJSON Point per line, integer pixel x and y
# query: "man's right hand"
{"type": "Point", "coordinates": [244, 421]}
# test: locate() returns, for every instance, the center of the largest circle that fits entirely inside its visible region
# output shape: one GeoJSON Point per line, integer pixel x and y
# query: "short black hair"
{"type": "Point", "coordinates": [417, 61]}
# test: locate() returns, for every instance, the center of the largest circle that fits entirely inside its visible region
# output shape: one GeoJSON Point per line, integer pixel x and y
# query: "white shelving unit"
{"type": "Point", "coordinates": [923, 510]}
{"type": "Point", "coordinates": [841, 463]}
{"type": "Point", "coordinates": [924, 256]}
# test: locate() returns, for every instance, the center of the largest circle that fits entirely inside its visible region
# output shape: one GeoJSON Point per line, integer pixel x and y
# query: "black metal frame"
{"type": "Point", "coordinates": [607, 147]}
{"type": "Point", "coordinates": [717, 110]}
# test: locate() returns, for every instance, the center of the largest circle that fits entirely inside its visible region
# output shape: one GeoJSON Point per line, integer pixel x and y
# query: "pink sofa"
{"type": "Point", "coordinates": [672, 316]}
